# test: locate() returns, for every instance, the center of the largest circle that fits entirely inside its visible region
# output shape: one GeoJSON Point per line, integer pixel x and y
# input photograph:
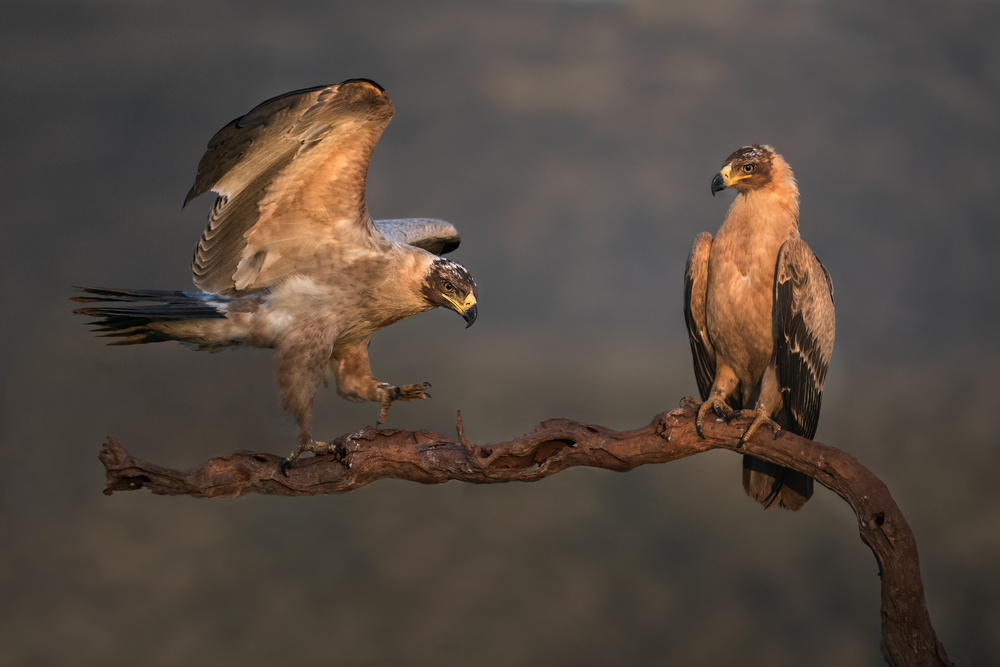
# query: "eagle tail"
{"type": "Point", "coordinates": [150, 316]}
{"type": "Point", "coordinates": [775, 486]}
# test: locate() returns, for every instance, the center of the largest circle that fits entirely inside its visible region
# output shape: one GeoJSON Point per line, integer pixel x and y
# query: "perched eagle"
{"type": "Point", "coordinates": [759, 312]}
{"type": "Point", "coordinates": [291, 258]}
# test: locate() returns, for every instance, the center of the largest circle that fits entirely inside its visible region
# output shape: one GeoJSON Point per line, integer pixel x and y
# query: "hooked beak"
{"type": "Point", "coordinates": [470, 314]}
{"type": "Point", "coordinates": [718, 183]}
{"type": "Point", "coordinates": [721, 180]}
{"type": "Point", "coordinates": [468, 309]}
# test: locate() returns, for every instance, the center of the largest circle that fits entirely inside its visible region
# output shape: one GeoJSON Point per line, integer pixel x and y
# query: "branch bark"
{"type": "Point", "coordinates": [430, 458]}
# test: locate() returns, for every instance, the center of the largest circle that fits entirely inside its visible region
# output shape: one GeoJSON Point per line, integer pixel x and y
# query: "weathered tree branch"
{"type": "Point", "coordinates": [430, 458]}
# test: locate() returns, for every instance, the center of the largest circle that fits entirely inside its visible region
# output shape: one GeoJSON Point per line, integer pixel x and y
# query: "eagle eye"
{"type": "Point", "coordinates": [448, 287]}
{"type": "Point", "coordinates": [747, 168]}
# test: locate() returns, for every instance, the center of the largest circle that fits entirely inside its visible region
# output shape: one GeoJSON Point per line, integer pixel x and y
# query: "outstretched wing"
{"type": "Point", "coordinates": [803, 324]}
{"type": "Point", "coordinates": [436, 236]}
{"type": "Point", "coordinates": [695, 296]}
{"type": "Point", "coordinates": [290, 176]}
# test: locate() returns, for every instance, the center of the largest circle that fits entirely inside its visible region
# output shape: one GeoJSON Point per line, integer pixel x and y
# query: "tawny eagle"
{"type": "Point", "coordinates": [759, 310]}
{"type": "Point", "coordinates": [291, 258]}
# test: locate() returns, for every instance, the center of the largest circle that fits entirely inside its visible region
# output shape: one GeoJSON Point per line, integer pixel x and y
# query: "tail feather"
{"type": "Point", "coordinates": [135, 324]}
{"type": "Point", "coordinates": [773, 485]}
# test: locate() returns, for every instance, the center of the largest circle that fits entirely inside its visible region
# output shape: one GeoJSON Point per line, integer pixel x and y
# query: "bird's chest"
{"type": "Point", "coordinates": [740, 284]}
{"type": "Point", "coordinates": [296, 305]}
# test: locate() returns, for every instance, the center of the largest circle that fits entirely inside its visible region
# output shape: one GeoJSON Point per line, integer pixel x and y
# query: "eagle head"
{"type": "Point", "coordinates": [448, 284]}
{"type": "Point", "coordinates": [750, 168]}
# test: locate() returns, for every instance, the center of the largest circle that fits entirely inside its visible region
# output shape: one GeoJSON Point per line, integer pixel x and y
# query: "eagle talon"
{"type": "Point", "coordinates": [407, 392]}
{"type": "Point", "coordinates": [716, 405]}
{"type": "Point", "coordinates": [287, 462]}
{"type": "Point", "coordinates": [314, 447]}
{"type": "Point", "coordinates": [760, 418]}
{"type": "Point", "coordinates": [414, 392]}
{"type": "Point", "coordinates": [690, 402]}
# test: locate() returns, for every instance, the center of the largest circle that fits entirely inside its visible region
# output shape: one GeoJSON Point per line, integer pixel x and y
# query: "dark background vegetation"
{"type": "Point", "coordinates": [573, 144]}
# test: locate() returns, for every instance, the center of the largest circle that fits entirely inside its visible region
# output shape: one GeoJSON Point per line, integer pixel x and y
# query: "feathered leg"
{"type": "Point", "coordinates": [355, 381]}
{"type": "Point", "coordinates": [303, 354]}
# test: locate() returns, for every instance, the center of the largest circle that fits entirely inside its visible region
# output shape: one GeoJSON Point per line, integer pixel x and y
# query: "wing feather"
{"type": "Point", "coordinates": [803, 324]}
{"type": "Point", "coordinates": [436, 236]}
{"type": "Point", "coordinates": [290, 175]}
{"type": "Point", "coordinates": [695, 296]}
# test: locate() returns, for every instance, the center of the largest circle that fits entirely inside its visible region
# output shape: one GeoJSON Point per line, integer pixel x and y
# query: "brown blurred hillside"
{"type": "Point", "coordinates": [573, 144]}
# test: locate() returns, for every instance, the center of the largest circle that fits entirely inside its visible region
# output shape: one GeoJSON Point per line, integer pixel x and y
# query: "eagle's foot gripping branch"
{"type": "Point", "coordinates": [315, 447]}
{"type": "Point", "coordinates": [760, 418]}
{"type": "Point", "coordinates": [713, 403]}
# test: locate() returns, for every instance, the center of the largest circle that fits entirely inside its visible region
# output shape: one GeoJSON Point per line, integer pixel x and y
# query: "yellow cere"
{"type": "Point", "coordinates": [470, 301]}
{"type": "Point", "coordinates": [726, 174]}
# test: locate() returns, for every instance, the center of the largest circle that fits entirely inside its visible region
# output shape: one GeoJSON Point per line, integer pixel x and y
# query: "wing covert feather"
{"type": "Point", "coordinates": [290, 175]}
{"type": "Point", "coordinates": [803, 324]}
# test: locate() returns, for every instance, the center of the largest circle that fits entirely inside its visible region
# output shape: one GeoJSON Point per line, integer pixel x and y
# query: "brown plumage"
{"type": "Point", "coordinates": [759, 311]}
{"type": "Point", "coordinates": [291, 258]}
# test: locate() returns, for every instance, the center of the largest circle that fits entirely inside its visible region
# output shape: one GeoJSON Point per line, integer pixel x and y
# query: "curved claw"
{"type": "Point", "coordinates": [408, 392]}
{"type": "Point", "coordinates": [760, 418]}
{"type": "Point", "coordinates": [414, 392]}
{"type": "Point", "coordinates": [736, 414]}
{"type": "Point", "coordinates": [716, 405]}
{"type": "Point", "coordinates": [311, 446]}
{"type": "Point", "coordinates": [746, 436]}
{"type": "Point", "coordinates": [287, 462]}
{"type": "Point", "coordinates": [689, 402]}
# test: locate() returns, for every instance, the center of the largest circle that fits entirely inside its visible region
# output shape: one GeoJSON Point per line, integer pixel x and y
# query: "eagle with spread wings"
{"type": "Point", "coordinates": [292, 260]}
{"type": "Point", "coordinates": [759, 310]}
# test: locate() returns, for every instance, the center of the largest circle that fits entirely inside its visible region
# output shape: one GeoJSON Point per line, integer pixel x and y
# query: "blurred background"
{"type": "Point", "coordinates": [573, 144]}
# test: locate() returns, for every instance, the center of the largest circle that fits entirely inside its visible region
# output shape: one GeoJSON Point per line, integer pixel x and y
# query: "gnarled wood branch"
{"type": "Point", "coordinates": [430, 458]}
